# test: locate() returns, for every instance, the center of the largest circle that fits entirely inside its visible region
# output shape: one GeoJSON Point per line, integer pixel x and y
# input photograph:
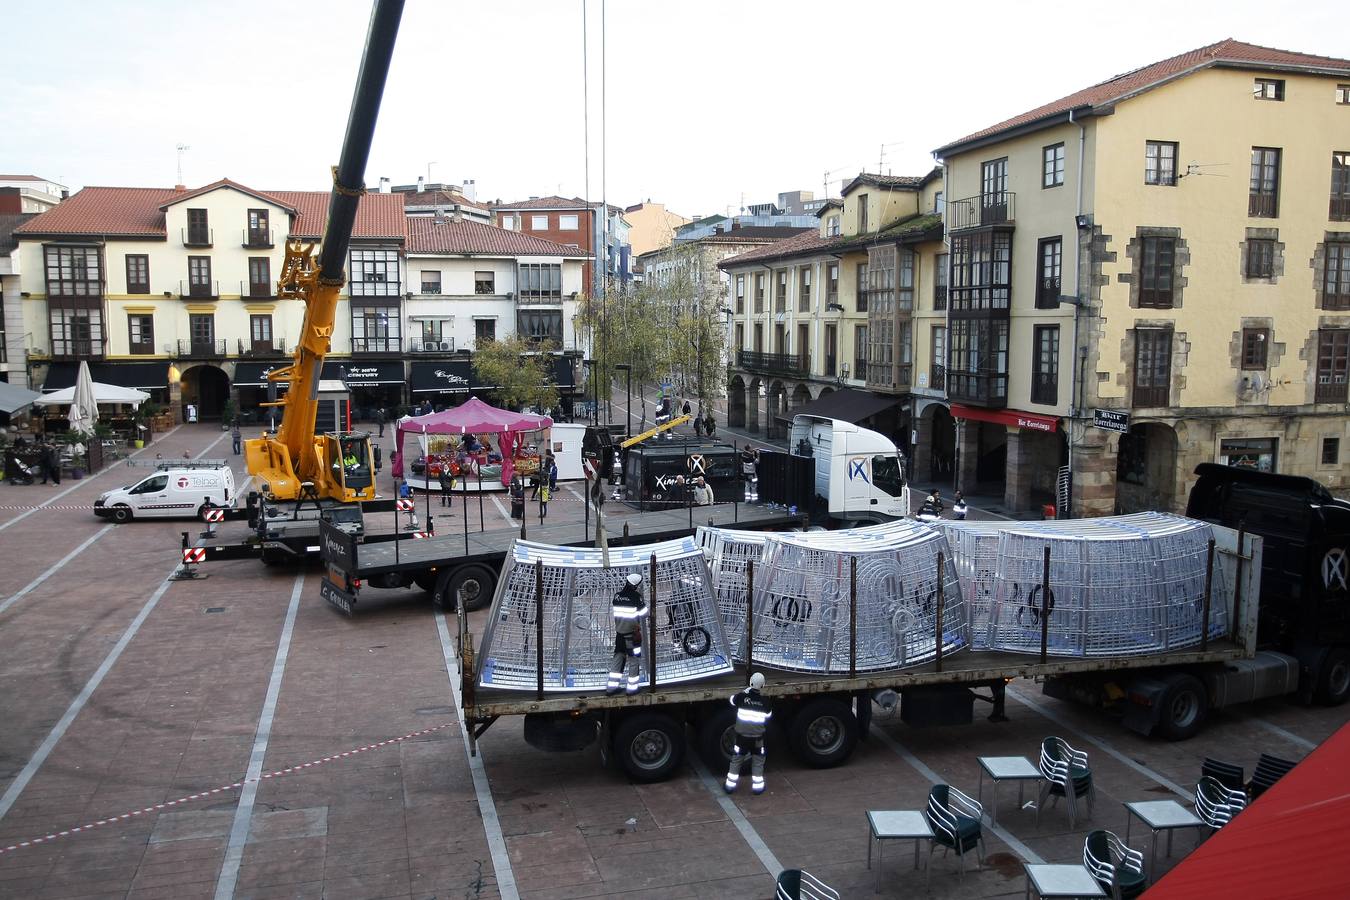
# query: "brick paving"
{"type": "Point", "coordinates": [178, 711]}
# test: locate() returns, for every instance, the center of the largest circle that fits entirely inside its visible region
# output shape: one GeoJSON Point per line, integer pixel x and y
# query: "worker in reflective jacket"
{"type": "Point", "coordinates": [630, 609]}
{"type": "Point", "coordinates": [752, 720]}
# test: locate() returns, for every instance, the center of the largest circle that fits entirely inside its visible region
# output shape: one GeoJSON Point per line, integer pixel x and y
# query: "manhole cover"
{"type": "Point", "coordinates": [215, 609]}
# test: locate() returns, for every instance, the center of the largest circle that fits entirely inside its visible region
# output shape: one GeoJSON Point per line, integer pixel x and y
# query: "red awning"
{"type": "Point", "coordinates": [1014, 417]}
{"type": "Point", "coordinates": [1290, 843]}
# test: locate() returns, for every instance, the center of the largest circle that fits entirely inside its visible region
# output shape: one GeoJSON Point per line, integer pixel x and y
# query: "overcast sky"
{"type": "Point", "coordinates": [710, 103]}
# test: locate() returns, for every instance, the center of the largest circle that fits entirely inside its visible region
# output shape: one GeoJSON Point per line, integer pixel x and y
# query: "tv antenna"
{"type": "Point", "coordinates": [181, 148]}
{"type": "Point", "coordinates": [1193, 168]}
{"type": "Point", "coordinates": [881, 156]}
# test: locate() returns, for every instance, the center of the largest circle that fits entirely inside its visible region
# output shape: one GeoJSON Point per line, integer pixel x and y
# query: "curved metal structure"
{"type": "Point", "coordinates": [578, 591]}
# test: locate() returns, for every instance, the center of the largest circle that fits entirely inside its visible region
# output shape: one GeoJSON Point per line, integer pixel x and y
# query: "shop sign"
{"type": "Point", "coordinates": [1111, 420]}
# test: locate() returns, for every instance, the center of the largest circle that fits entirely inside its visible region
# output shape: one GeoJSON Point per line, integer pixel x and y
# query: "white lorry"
{"type": "Point", "coordinates": [176, 489]}
{"type": "Point", "coordinates": [858, 476]}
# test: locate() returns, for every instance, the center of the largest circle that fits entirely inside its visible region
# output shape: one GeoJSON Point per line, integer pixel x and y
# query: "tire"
{"type": "Point", "coordinates": [1184, 706]}
{"type": "Point", "coordinates": [477, 583]}
{"type": "Point", "coordinates": [649, 746]}
{"type": "Point", "coordinates": [1333, 681]}
{"type": "Point", "coordinates": [823, 733]}
{"type": "Point", "coordinates": [696, 642]}
{"type": "Point", "coordinates": [121, 514]}
{"type": "Point", "coordinates": [715, 738]}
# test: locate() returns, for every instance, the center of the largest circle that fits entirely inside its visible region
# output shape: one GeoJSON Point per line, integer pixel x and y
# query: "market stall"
{"type": "Point", "coordinates": [478, 443]}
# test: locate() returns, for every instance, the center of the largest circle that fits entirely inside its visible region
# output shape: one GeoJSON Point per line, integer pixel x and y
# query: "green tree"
{"type": "Point", "coordinates": [521, 371]}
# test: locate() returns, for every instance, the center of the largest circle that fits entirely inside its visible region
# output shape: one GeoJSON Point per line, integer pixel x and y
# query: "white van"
{"type": "Point", "coordinates": [172, 491]}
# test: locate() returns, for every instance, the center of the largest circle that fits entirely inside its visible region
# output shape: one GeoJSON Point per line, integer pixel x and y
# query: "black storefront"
{"type": "Point", "coordinates": [152, 377]}
{"type": "Point", "coordinates": [372, 384]}
{"type": "Point", "coordinates": [450, 382]}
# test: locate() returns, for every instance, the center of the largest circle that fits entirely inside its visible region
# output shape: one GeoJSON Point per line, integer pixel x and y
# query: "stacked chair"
{"type": "Point", "coordinates": [955, 820]}
{"type": "Point", "coordinates": [1067, 775]}
{"type": "Point", "coordinates": [798, 884]}
{"type": "Point", "coordinates": [1215, 804]}
{"type": "Point", "coordinates": [1117, 868]}
{"type": "Point", "coordinates": [1269, 769]}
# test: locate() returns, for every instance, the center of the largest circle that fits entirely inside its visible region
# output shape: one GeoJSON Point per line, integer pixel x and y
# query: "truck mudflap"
{"type": "Point", "coordinates": [339, 599]}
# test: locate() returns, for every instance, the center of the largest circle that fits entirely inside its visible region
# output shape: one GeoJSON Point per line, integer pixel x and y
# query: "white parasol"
{"type": "Point", "coordinates": [83, 405]}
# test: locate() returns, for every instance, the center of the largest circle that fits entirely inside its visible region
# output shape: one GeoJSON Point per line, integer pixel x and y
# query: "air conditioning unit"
{"type": "Point", "coordinates": [446, 346]}
{"type": "Point", "coordinates": [431, 346]}
{"type": "Point", "coordinates": [511, 296]}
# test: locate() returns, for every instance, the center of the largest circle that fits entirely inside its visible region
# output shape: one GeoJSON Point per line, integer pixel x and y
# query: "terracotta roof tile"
{"type": "Point", "coordinates": [180, 196]}
{"type": "Point", "coordinates": [1227, 51]}
{"type": "Point", "coordinates": [426, 234]}
{"type": "Point", "coordinates": [750, 234]}
{"type": "Point", "coordinates": [554, 202]}
{"type": "Point", "coordinates": [809, 241]}
{"type": "Point", "coordinates": [440, 198]}
{"type": "Point", "coordinates": [378, 216]}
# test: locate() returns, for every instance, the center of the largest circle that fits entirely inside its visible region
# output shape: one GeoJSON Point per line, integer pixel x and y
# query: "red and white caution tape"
{"type": "Point", "coordinates": [112, 820]}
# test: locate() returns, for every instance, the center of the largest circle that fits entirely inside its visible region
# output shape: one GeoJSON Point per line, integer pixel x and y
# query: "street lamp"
{"type": "Point", "coordinates": [595, 394]}
{"type": "Point", "coordinates": [627, 370]}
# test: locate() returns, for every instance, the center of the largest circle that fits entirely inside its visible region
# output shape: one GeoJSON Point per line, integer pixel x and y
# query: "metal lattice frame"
{"type": "Point", "coordinates": [578, 617]}
{"type": "Point", "coordinates": [1119, 586]}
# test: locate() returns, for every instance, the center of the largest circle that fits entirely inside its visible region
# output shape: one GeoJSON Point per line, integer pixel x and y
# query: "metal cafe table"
{"type": "Point", "coordinates": [1061, 882]}
{"type": "Point", "coordinates": [1007, 768]}
{"type": "Point", "coordinates": [1159, 815]}
{"type": "Point", "coordinates": [896, 825]}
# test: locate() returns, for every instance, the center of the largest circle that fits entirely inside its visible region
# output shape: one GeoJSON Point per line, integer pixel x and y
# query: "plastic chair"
{"type": "Point", "coordinates": [1066, 774]}
{"type": "Point", "coordinates": [798, 884]}
{"type": "Point", "coordinates": [1117, 868]}
{"type": "Point", "coordinates": [1215, 804]}
{"type": "Point", "coordinates": [1227, 774]}
{"type": "Point", "coordinates": [1269, 769]}
{"type": "Point", "coordinates": [955, 820]}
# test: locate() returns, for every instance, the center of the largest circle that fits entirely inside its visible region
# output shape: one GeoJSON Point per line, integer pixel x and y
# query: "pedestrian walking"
{"type": "Point", "coordinates": [686, 409]}
{"type": "Point", "coordinates": [709, 424]}
{"type": "Point", "coordinates": [517, 492]}
{"type": "Point", "coordinates": [698, 427]}
{"type": "Point", "coordinates": [703, 493]}
{"type": "Point", "coordinates": [544, 494]}
{"type": "Point", "coordinates": [396, 468]}
{"type": "Point", "coordinates": [379, 419]}
{"type": "Point", "coordinates": [53, 464]}
{"type": "Point", "coordinates": [236, 438]}
{"type": "Point", "coordinates": [551, 470]}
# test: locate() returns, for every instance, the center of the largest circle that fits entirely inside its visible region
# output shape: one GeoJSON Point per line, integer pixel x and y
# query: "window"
{"type": "Point", "coordinates": [260, 331]}
{"type": "Point", "coordinates": [141, 334]}
{"type": "Point", "coordinates": [1249, 453]}
{"type": "Point", "coordinates": [199, 277]}
{"type": "Point", "coordinates": [1260, 258]}
{"type": "Point", "coordinates": [1343, 94]}
{"type": "Point", "coordinates": [1052, 165]}
{"type": "Point", "coordinates": [374, 273]}
{"type": "Point", "coordinates": [202, 330]}
{"type": "Point", "coordinates": [780, 291]}
{"type": "Point", "coordinates": [259, 234]}
{"type": "Point", "coordinates": [538, 223]}
{"type": "Point", "coordinates": [432, 329]}
{"type": "Point", "coordinates": [740, 336]}
{"type": "Point", "coordinates": [832, 226]}
{"type": "Point", "coordinates": [1340, 186]}
{"type": "Point", "coordinates": [1255, 342]}
{"type": "Point", "coordinates": [375, 330]}
{"type": "Point", "coordinates": [994, 181]}
{"type": "Point", "coordinates": [981, 271]}
{"type": "Point", "coordinates": [904, 286]}
{"type": "Point", "coordinates": [740, 295]}
{"type": "Point", "coordinates": [539, 282]}
{"type": "Point", "coordinates": [939, 203]}
{"type": "Point", "coordinates": [74, 272]}
{"type": "Point", "coordinates": [510, 223]}
{"type": "Point", "coordinates": [759, 338]}
{"type": "Point", "coordinates": [152, 485]}
{"type": "Point", "coordinates": [831, 350]}
{"type": "Point", "coordinates": [940, 282]}
{"type": "Point", "coordinates": [860, 351]}
{"type": "Point", "coordinates": [1333, 360]}
{"type": "Point", "coordinates": [540, 326]}
{"type": "Point", "coordinates": [568, 222]}
{"type": "Point", "coordinates": [779, 338]}
{"type": "Point", "coordinates": [1331, 451]}
{"type": "Point", "coordinates": [860, 290]}
{"type": "Point", "coordinates": [1268, 89]}
{"type": "Point", "coordinates": [1265, 186]}
{"type": "Point", "coordinates": [76, 332]}
{"type": "Point", "coordinates": [977, 354]}
{"type": "Point", "coordinates": [1045, 365]}
{"type": "Point", "coordinates": [804, 346]}
{"type": "Point", "coordinates": [1152, 366]}
{"type": "Point", "coordinates": [1160, 162]}
{"type": "Point", "coordinates": [759, 292]}
{"type": "Point", "coordinates": [832, 283]}
{"type": "Point", "coordinates": [484, 283]}
{"type": "Point", "coordinates": [1051, 256]}
{"type": "Point", "coordinates": [138, 273]}
{"type": "Point", "coordinates": [431, 281]}
{"type": "Point", "coordinates": [484, 330]}
{"type": "Point", "coordinates": [1155, 272]}
{"type": "Point", "coordinates": [862, 213]}
{"type": "Point", "coordinates": [804, 289]}
{"type": "Point", "coordinates": [198, 234]}
{"type": "Point", "coordinates": [259, 276]}
{"type": "Point", "coordinates": [937, 379]}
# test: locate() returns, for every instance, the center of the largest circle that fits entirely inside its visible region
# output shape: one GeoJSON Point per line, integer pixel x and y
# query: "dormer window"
{"type": "Point", "coordinates": [832, 226]}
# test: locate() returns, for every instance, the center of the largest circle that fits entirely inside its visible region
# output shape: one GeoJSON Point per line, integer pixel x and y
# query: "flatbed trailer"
{"type": "Point", "coordinates": [822, 716]}
{"type": "Point", "coordinates": [452, 565]}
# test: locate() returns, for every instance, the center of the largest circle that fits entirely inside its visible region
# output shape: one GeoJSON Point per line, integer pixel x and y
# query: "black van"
{"type": "Point", "coordinates": [660, 475]}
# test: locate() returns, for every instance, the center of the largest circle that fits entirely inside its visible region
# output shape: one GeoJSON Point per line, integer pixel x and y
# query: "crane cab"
{"type": "Point", "coordinates": [348, 466]}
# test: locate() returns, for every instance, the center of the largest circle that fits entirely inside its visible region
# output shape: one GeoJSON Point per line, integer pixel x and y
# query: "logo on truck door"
{"type": "Point", "coordinates": [1334, 566]}
{"type": "Point", "coordinates": [857, 468]}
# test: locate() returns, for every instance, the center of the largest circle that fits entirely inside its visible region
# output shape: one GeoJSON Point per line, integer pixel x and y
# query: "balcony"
{"type": "Point", "coordinates": [77, 348]}
{"type": "Point", "coordinates": [879, 376]}
{"type": "Point", "coordinates": [201, 349]}
{"type": "Point", "coordinates": [199, 290]}
{"type": "Point", "coordinates": [262, 349]}
{"type": "Point", "coordinates": [981, 211]}
{"type": "Point", "coordinates": [549, 299]}
{"type": "Point", "coordinates": [982, 388]}
{"type": "Point", "coordinates": [250, 291]}
{"type": "Point", "coordinates": [940, 297]}
{"type": "Point", "coordinates": [797, 365]}
{"type": "Point", "coordinates": [1330, 389]}
{"type": "Point", "coordinates": [937, 378]}
{"type": "Point", "coordinates": [258, 239]}
{"type": "Point", "coordinates": [431, 344]}
{"type": "Point", "coordinates": [1045, 389]}
{"type": "Point", "coordinates": [198, 237]}
{"type": "Point", "coordinates": [1047, 293]}
{"type": "Point", "coordinates": [831, 365]}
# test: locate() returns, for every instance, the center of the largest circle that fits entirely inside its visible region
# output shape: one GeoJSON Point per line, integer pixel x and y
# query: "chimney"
{"type": "Point", "coordinates": [456, 215]}
{"type": "Point", "coordinates": [421, 184]}
{"type": "Point", "coordinates": [384, 185]}
{"type": "Point", "coordinates": [470, 189]}
{"type": "Point", "coordinates": [65, 194]}
{"type": "Point", "coordinates": [180, 187]}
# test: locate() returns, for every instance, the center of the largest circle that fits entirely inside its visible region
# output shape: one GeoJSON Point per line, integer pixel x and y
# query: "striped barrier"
{"type": "Point", "coordinates": [213, 515]}
{"type": "Point", "coordinates": [403, 505]}
{"type": "Point", "coordinates": [194, 555]}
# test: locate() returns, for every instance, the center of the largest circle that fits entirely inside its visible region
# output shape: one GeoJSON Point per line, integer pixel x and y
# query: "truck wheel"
{"type": "Point", "coordinates": [476, 583]}
{"type": "Point", "coordinates": [716, 737]}
{"type": "Point", "coordinates": [1184, 705]}
{"type": "Point", "coordinates": [1333, 682]}
{"type": "Point", "coordinates": [649, 746]}
{"type": "Point", "coordinates": [824, 733]}
{"type": "Point", "coordinates": [121, 514]}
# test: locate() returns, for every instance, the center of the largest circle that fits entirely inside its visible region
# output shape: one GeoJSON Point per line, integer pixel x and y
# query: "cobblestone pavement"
{"type": "Point", "coordinates": [120, 691]}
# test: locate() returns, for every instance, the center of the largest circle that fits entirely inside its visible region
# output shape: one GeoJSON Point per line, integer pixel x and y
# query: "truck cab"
{"type": "Point", "coordinates": [858, 472]}
{"type": "Point", "coordinates": [1305, 601]}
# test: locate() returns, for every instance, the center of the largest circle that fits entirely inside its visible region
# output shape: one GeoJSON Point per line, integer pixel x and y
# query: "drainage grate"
{"type": "Point", "coordinates": [212, 609]}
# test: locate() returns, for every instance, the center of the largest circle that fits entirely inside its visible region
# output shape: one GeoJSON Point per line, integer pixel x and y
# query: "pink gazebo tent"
{"type": "Point", "coordinates": [473, 416]}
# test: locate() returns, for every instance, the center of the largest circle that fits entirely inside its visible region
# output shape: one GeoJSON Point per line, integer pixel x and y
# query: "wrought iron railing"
{"type": "Point", "coordinates": [202, 349]}
{"type": "Point", "coordinates": [774, 363]}
{"type": "Point", "coordinates": [986, 209]}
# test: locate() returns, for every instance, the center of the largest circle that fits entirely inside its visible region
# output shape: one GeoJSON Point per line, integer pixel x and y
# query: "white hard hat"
{"type": "Point", "coordinates": [757, 680]}
{"type": "Point", "coordinates": [634, 579]}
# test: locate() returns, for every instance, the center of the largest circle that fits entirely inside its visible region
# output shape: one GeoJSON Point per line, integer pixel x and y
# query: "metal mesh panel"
{"type": "Point", "coordinates": [975, 552]}
{"type": "Point", "coordinates": [578, 618]}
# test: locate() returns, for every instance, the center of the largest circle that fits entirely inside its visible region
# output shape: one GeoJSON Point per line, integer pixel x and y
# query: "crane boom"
{"type": "Point", "coordinates": [291, 458]}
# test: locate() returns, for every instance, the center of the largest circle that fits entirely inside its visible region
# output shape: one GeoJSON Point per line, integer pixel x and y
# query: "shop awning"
{"type": "Point", "coordinates": [1014, 417]}
{"type": "Point", "coordinates": [254, 374]}
{"type": "Point", "coordinates": [846, 405]}
{"type": "Point", "coordinates": [139, 375]}
{"type": "Point", "coordinates": [358, 373]}
{"type": "Point", "coordinates": [14, 397]}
